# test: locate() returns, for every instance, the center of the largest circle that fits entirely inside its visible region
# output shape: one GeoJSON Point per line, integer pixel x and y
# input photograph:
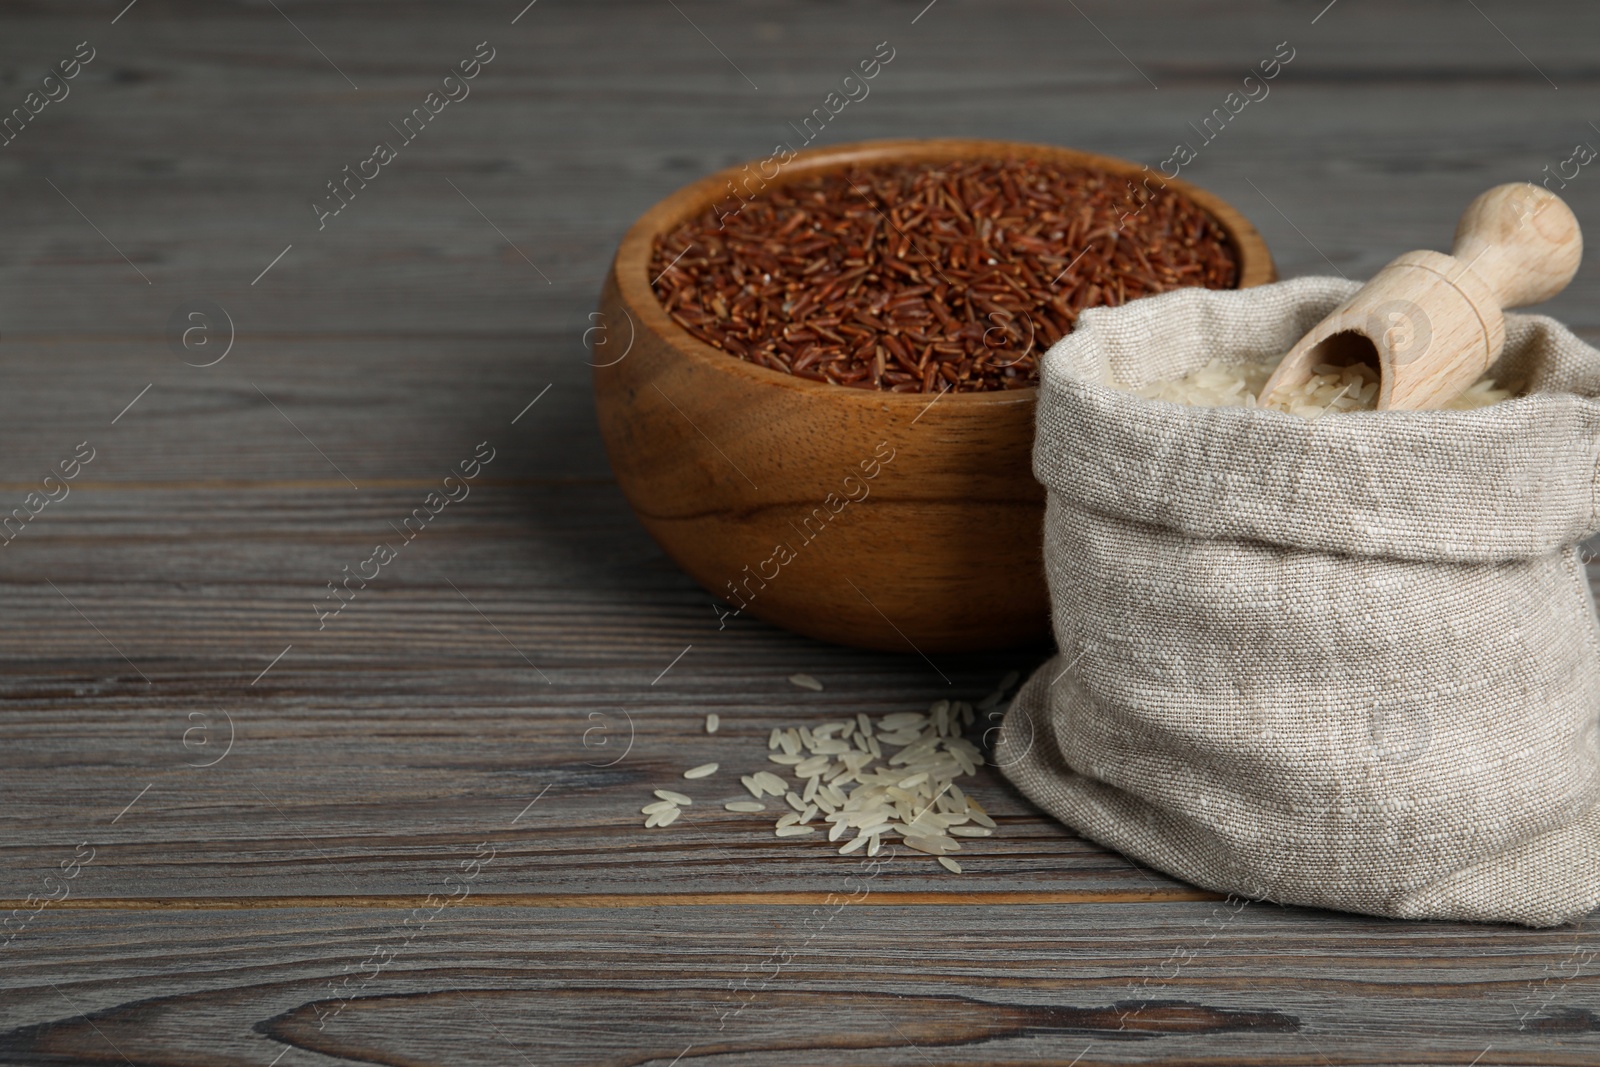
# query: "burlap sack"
{"type": "Point", "coordinates": [1351, 663]}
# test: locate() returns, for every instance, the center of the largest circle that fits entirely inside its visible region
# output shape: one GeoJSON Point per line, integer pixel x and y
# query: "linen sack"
{"type": "Point", "coordinates": [1351, 663]}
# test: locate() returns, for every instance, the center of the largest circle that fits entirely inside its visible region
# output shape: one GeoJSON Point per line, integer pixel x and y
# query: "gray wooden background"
{"type": "Point", "coordinates": [217, 818]}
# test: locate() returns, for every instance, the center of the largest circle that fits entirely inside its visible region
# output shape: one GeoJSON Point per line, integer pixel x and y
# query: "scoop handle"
{"type": "Point", "coordinates": [1522, 240]}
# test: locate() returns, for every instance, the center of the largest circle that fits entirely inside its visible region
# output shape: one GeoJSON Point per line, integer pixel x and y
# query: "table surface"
{"type": "Point", "coordinates": [220, 812]}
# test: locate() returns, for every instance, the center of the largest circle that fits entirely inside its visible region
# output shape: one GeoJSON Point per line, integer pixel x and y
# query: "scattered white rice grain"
{"type": "Point", "coordinates": [712, 722]}
{"type": "Point", "coordinates": [949, 864]}
{"type": "Point", "coordinates": [807, 768]}
{"type": "Point", "coordinates": [771, 783]}
{"type": "Point", "coordinates": [805, 681]}
{"type": "Point", "coordinates": [849, 788]}
{"type": "Point", "coordinates": [905, 737]}
{"type": "Point", "coordinates": [903, 720]}
{"type": "Point", "coordinates": [933, 846]}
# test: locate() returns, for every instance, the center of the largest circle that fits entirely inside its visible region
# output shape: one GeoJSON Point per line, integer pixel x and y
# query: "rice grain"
{"type": "Point", "coordinates": [857, 792]}
{"type": "Point", "coordinates": [771, 783]}
{"type": "Point", "coordinates": [1329, 390]}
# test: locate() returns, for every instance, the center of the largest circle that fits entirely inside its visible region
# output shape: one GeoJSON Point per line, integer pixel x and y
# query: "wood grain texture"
{"type": "Point", "coordinates": [1172, 983]}
{"type": "Point", "coordinates": [373, 758]}
{"type": "Point", "coordinates": [1523, 240]}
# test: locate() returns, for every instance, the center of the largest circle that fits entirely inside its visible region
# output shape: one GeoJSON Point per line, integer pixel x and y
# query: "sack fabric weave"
{"type": "Point", "coordinates": [1351, 663]}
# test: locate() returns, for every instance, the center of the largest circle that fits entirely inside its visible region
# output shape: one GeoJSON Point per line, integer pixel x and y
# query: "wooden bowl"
{"type": "Point", "coordinates": [867, 518]}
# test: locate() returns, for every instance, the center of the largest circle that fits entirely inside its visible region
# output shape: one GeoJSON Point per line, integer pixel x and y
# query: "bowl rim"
{"type": "Point", "coordinates": [630, 271]}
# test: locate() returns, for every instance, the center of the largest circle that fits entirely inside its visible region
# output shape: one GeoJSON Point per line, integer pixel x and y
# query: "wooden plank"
{"type": "Point", "coordinates": [653, 899]}
{"type": "Point", "coordinates": [413, 722]}
{"type": "Point", "coordinates": [379, 752]}
{"type": "Point", "coordinates": [354, 776]}
{"type": "Point", "coordinates": [413, 726]}
{"type": "Point", "coordinates": [318, 412]}
{"type": "Point", "coordinates": [1368, 143]}
{"type": "Point", "coordinates": [1172, 983]}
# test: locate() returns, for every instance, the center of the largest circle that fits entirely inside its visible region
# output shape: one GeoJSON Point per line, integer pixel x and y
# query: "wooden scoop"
{"type": "Point", "coordinates": [1430, 323]}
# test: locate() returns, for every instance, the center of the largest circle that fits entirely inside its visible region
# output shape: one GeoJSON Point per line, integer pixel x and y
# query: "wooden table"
{"type": "Point", "coordinates": [245, 802]}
